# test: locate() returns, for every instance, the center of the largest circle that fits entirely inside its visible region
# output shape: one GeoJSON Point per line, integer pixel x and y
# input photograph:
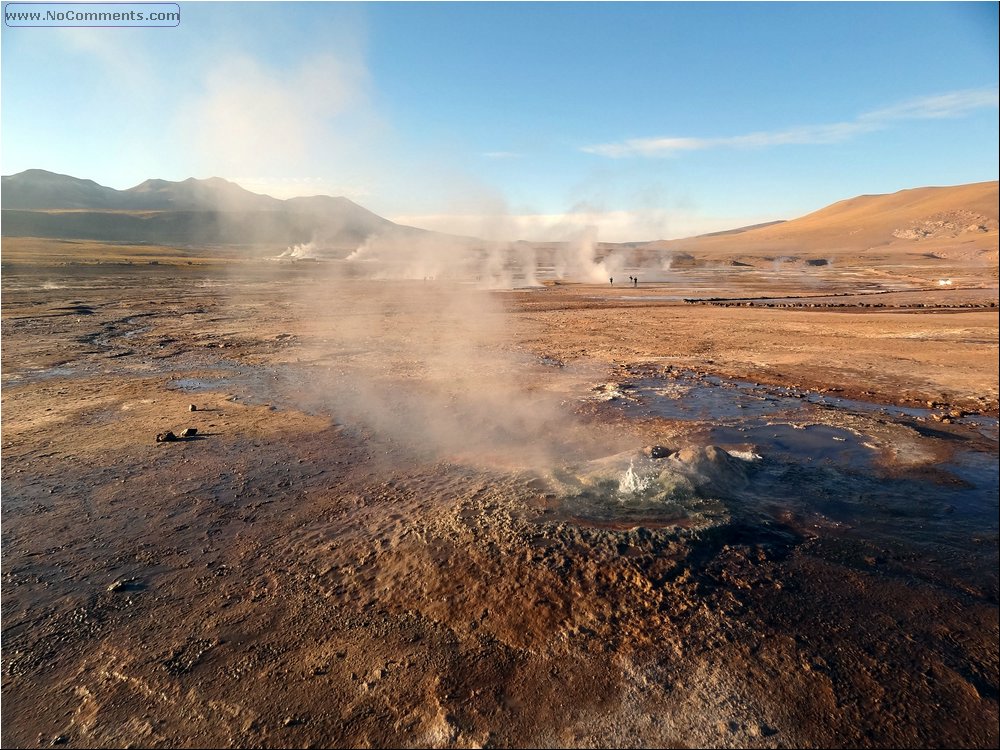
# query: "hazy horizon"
{"type": "Point", "coordinates": [529, 121]}
{"type": "Point", "coordinates": [452, 224]}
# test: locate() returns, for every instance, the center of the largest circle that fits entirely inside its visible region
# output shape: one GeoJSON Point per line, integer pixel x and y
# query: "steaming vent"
{"type": "Point", "coordinates": [687, 488]}
{"type": "Point", "coordinates": [632, 484]}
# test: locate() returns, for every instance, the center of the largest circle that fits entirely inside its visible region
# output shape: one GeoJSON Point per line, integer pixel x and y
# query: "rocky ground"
{"type": "Point", "coordinates": [397, 523]}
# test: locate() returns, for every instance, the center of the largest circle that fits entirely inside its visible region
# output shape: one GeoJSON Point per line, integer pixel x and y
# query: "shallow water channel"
{"type": "Point", "coordinates": [822, 464]}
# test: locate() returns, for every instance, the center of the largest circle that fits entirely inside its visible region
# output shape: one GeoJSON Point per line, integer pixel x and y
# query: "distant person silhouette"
{"type": "Point", "coordinates": [635, 282]}
{"type": "Point", "coordinates": [612, 280]}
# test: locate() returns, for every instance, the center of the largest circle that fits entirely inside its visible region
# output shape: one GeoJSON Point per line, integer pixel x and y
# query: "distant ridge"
{"type": "Point", "coordinates": [38, 203]}
{"type": "Point", "coordinates": [739, 230]}
{"type": "Point", "coordinates": [927, 219]}
{"type": "Point", "coordinates": [38, 189]}
{"type": "Point", "coordinates": [215, 211]}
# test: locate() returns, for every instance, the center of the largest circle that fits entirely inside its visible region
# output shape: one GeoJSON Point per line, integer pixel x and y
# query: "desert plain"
{"type": "Point", "coordinates": [747, 501]}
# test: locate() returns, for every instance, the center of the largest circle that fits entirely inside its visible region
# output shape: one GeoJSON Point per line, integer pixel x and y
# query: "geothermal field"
{"type": "Point", "coordinates": [472, 495]}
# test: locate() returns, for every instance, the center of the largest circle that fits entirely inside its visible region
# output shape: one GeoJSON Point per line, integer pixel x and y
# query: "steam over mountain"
{"type": "Point", "coordinates": [960, 219]}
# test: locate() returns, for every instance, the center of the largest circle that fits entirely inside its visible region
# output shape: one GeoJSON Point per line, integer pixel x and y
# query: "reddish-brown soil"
{"type": "Point", "coordinates": [369, 541]}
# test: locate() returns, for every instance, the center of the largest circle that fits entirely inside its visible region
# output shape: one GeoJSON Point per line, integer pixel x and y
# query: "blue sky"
{"type": "Point", "coordinates": [646, 120]}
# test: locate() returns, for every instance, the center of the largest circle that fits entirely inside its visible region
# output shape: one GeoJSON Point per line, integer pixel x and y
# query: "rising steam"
{"type": "Point", "coordinates": [428, 365]}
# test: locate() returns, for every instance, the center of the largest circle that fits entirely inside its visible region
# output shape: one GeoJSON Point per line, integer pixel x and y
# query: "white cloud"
{"type": "Point", "coordinates": [954, 104]}
{"type": "Point", "coordinates": [648, 147]}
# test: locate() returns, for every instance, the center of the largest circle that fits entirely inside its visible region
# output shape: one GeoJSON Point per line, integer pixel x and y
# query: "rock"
{"type": "Point", "coordinates": [189, 432]}
{"type": "Point", "coordinates": [166, 437]}
{"type": "Point", "coordinates": [655, 451]}
{"type": "Point", "coordinates": [125, 584]}
{"type": "Point", "coordinates": [710, 467]}
{"type": "Point", "coordinates": [193, 407]}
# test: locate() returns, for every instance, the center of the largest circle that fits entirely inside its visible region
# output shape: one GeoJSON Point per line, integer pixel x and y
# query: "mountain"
{"type": "Point", "coordinates": [740, 230]}
{"type": "Point", "coordinates": [194, 195]}
{"type": "Point", "coordinates": [955, 220]}
{"type": "Point", "coordinates": [38, 189]}
{"type": "Point", "coordinates": [37, 203]}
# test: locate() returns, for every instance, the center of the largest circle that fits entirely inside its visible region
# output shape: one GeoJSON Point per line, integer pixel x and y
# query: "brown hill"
{"type": "Point", "coordinates": [958, 221]}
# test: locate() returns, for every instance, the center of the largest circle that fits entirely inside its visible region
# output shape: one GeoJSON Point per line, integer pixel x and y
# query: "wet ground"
{"type": "Point", "coordinates": [836, 463]}
{"type": "Point", "coordinates": [389, 534]}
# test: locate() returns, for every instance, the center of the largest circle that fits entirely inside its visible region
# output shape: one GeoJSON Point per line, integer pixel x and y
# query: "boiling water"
{"type": "Point", "coordinates": [631, 484]}
{"type": "Point", "coordinates": [882, 476]}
